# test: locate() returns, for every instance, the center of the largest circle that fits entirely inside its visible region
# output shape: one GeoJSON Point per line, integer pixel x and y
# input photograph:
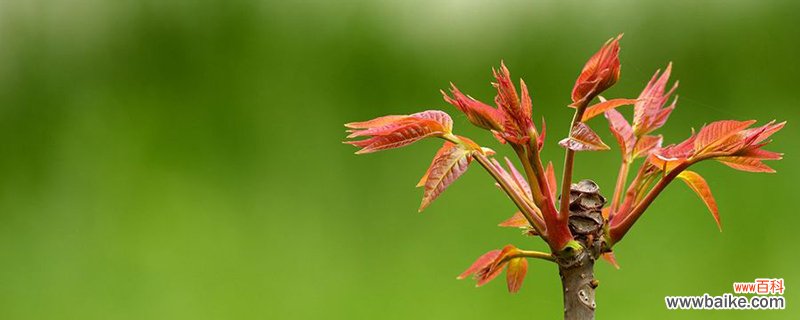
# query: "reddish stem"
{"type": "Point", "coordinates": [569, 160]}
{"type": "Point", "coordinates": [618, 230]}
{"type": "Point", "coordinates": [622, 177]}
{"type": "Point", "coordinates": [527, 210]}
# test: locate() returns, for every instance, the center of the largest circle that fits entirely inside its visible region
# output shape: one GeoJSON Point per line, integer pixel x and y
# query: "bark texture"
{"type": "Point", "coordinates": [578, 285]}
{"type": "Point", "coordinates": [576, 266]}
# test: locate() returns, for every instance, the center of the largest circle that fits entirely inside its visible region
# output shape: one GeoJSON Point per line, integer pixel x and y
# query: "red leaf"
{"type": "Point", "coordinates": [684, 149]}
{"type": "Point", "coordinates": [647, 112]}
{"type": "Point", "coordinates": [604, 106]}
{"type": "Point", "coordinates": [645, 145]}
{"type": "Point", "coordinates": [760, 154]}
{"type": "Point", "coordinates": [518, 220]}
{"type": "Point", "coordinates": [732, 144]}
{"type": "Point", "coordinates": [515, 274]}
{"type": "Point", "coordinates": [436, 115]}
{"type": "Point", "coordinates": [491, 264]}
{"type": "Point", "coordinates": [507, 98]}
{"type": "Point", "coordinates": [745, 164]}
{"type": "Point", "coordinates": [490, 273]}
{"type": "Point", "coordinates": [757, 135]}
{"type": "Point", "coordinates": [526, 105]}
{"type": "Point", "coordinates": [478, 113]}
{"type": "Point", "coordinates": [600, 72]}
{"type": "Point", "coordinates": [390, 132]}
{"type": "Point", "coordinates": [377, 122]}
{"type": "Point", "coordinates": [382, 127]}
{"type": "Point", "coordinates": [718, 134]}
{"type": "Point", "coordinates": [661, 116]}
{"type": "Point", "coordinates": [387, 124]}
{"type": "Point", "coordinates": [446, 168]}
{"type": "Point", "coordinates": [728, 141]}
{"type": "Point", "coordinates": [400, 136]}
{"type": "Point", "coordinates": [444, 149]}
{"type": "Point", "coordinates": [700, 187]}
{"type": "Point", "coordinates": [583, 138]}
{"type": "Point", "coordinates": [622, 131]}
{"type": "Point", "coordinates": [493, 270]}
{"type": "Point", "coordinates": [517, 115]}
{"type": "Point", "coordinates": [482, 262]}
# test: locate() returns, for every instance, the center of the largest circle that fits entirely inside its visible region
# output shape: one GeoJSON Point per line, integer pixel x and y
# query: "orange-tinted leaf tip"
{"type": "Point", "coordinates": [421, 181]}
{"type": "Point", "coordinates": [746, 164]}
{"type": "Point", "coordinates": [515, 273]}
{"type": "Point", "coordinates": [700, 187]}
{"type": "Point", "coordinates": [611, 258]}
{"type": "Point", "coordinates": [518, 220]}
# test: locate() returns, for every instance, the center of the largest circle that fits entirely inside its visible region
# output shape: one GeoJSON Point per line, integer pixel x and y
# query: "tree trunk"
{"type": "Point", "coordinates": [578, 286]}
{"type": "Point", "coordinates": [576, 264]}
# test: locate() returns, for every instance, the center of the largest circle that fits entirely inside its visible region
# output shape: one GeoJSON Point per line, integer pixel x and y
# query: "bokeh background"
{"type": "Point", "coordinates": [182, 159]}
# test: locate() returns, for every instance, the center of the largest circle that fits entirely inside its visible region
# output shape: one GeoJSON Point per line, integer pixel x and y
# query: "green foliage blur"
{"type": "Point", "coordinates": [183, 159]}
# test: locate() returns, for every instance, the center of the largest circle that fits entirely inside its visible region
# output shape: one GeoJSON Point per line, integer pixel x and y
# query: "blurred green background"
{"type": "Point", "coordinates": [182, 159]}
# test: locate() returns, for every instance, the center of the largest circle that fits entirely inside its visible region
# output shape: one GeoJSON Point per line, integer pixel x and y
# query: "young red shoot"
{"type": "Point", "coordinates": [575, 223]}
